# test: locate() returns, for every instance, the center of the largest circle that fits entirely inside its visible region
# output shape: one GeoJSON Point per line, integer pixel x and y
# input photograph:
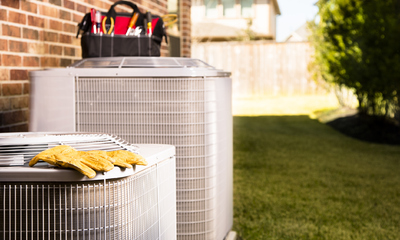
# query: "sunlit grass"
{"type": "Point", "coordinates": [283, 105]}
{"type": "Point", "coordinates": [296, 178]}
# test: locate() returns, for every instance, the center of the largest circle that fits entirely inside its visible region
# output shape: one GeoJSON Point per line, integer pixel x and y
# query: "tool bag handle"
{"type": "Point", "coordinates": [112, 13]}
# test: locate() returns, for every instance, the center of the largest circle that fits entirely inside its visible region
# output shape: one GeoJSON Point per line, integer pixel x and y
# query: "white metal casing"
{"type": "Point", "coordinates": [52, 203]}
{"type": "Point", "coordinates": [182, 105]}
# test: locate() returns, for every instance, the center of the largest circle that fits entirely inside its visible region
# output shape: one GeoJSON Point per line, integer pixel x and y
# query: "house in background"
{"type": "Point", "coordinates": [224, 20]}
{"type": "Point", "coordinates": [300, 35]}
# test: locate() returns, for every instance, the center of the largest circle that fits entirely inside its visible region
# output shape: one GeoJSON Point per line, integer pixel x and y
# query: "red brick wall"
{"type": "Point", "coordinates": [185, 27]}
{"type": "Point", "coordinates": [37, 34]}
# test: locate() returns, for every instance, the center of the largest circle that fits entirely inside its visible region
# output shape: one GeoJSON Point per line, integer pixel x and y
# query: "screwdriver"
{"type": "Point", "coordinates": [132, 23]}
{"type": "Point", "coordinates": [93, 19]}
{"type": "Point", "coordinates": [149, 27]}
{"type": "Point", "coordinates": [98, 21]}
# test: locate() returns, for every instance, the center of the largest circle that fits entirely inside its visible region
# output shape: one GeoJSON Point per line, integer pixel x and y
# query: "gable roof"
{"type": "Point", "coordinates": [278, 11]}
{"type": "Point", "coordinates": [300, 34]}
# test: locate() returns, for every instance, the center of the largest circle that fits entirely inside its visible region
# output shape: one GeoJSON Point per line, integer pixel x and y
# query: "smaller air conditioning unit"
{"type": "Point", "coordinates": [45, 202]}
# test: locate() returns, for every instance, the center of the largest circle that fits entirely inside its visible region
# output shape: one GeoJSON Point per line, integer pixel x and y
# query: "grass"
{"type": "Point", "coordinates": [296, 178]}
{"type": "Point", "coordinates": [283, 105]}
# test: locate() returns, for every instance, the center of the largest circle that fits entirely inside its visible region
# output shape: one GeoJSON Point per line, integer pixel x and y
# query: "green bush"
{"type": "Point", "coordinates": [357, 45]}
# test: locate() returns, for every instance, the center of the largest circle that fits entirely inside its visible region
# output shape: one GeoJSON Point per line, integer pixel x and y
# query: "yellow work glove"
{"type": "Point", "coordinates": [125, 158]}
{"type": "Point", "coordinates": [68, 157]}
{"type": "Point", "coordinates": [115, 161]}
{"type": "Point", "coordinates": [49, 154]}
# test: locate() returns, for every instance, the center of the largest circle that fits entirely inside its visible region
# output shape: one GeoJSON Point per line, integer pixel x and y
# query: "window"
{"type": "Point", "coordinates": [247, 9]}
{"type": "Point", "coordinates": [211, 8]}
{"type": "Point", "coordinates": [229, 8]}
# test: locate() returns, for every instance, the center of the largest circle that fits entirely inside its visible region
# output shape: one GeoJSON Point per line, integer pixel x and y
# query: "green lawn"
{"type": "Point", "coordinates": [296, 178]}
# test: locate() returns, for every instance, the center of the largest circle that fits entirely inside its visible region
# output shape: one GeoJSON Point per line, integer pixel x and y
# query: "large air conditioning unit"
{"type": "Point", "coordinates": [178, 101]}
{"type": "Point", "coordinates": [46, 202]}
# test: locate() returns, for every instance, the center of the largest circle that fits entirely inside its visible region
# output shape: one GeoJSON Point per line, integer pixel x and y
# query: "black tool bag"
{"type": "Point", "coordinates": [111, 39]}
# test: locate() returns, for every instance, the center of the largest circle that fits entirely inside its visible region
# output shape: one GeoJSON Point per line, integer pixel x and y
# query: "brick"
{"type": "Point", "coordinates": [10, 3]}
{"type": "Point", "coordinates": [55, 25]}
{"type": "Point", "coordinates": [49, 62]}
{"type": "Point", "coordinates": [17, 46]}
{"type": "Point", "coordinates": [101, 5]}
{"type": "Point", "coordinates": [3, 45]}
{"type": "Point", "coordinates": [76, 41]}
{"type": "Point", "coordinates": [3, 15]}
{"type": "Point", "coordinates": [71, 28]}
{"type": "Point", "coordinates": [30, 61]}
{"type": "Point", "coordinates": [36, 48]}
{"type": "Point", "coordinates": [49, 11]}
{"type": "Point", "coordinates": [55, 50]}
{"type": "Point", "coordinates": [22, 127]}
{"type": "Point", "coordinates": [16, 17]}
{"type": "Point", "coordinates": [50, 36]}
{"type": "Point", "coordinates": [92, 2]}
{"type": "Point", "coordinates": [41, 35]}
{"type": "Point", "coordinates": [69, 51]}
{"type": "Point", "coordinates": [19, 102]}
{"type": "Point", "coordinates": [4, 74]}
{"type": "Point", "coordinates": [26, 88]}
{"type": "Point", "coordinates": [81, 8]}
{"type": "Point", "coordinates": [69, 4]}
{"type": "Point", "coordinates": [46, 47]}
{"type": "Point", "coordinates": [46, 23]}
{"type": "Point", "coordinates": [65, 38]}
{"type": "Point", "coordinates": [11, 89]}
{"type": "Point", "coordinates": [11, 60]}
{"type": "Point", "coordinates": [65, 15]}
{"type": "Point", "coordinates": [65, 62]}
{"type": "Point", "coordinates": [55, 2]}
{"type": "Point", "coordinates": [36, 21]}
{"type": "Point", "coordinates": [28, 33]}
{"type": "Point", "coordinates": [18, 74]}
{"type": "Point", "coordinates": [13, 117]}
{"type": "Point", "coordinates": [77, 18]}
{"type": "Point", "coordinates": [5, 104]}
{"type": "Point", "coordinates": [78, 53]}
{"type": "Point", "coordinates": [29, 6]}
{"type": "Point", "coordinates": [11, 31]}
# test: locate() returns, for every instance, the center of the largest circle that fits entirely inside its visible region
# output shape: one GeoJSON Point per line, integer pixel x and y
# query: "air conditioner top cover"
{"type": "Point", "coordinates": [136, 67]}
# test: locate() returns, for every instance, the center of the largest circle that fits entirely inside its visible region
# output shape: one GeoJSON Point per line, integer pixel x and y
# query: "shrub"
{"type": "Point", "coordinates": [357, 45]}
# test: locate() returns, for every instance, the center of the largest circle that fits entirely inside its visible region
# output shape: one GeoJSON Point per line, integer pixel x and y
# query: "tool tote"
{"type": "Point", "coordinates": [113, 34]}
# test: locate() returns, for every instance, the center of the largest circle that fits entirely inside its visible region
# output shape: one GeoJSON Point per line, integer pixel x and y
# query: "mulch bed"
{"type": "Point", "coordinates": [368, 128]}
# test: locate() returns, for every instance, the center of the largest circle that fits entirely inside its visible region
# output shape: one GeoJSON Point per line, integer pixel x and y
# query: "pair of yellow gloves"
{"type": "Point", "coordinates": [88, 162]}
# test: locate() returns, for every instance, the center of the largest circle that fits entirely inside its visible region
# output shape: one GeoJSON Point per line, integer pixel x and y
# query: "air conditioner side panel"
{"type": "Point", "coordinates": [52, 104]}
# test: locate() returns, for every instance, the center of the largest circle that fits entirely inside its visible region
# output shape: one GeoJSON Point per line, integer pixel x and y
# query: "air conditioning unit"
{"type": "Point", "coordinates": [45, 202]}
{"type": "Point", "coordinates": [178, 101]}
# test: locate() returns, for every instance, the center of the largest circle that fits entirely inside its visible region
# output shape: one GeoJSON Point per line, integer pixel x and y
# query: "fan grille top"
{"type": "Point", "coordinates": [20, 148]}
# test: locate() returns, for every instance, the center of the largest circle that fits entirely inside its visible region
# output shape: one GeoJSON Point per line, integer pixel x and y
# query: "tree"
{"type": "Point", "coordinates": [357, 45]}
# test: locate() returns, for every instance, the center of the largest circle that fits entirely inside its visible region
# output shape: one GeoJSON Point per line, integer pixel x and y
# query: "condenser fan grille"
{"type": "Point", "coordinates": [191, 113]}
{"type": "Point", "coordinates": [27, 145]}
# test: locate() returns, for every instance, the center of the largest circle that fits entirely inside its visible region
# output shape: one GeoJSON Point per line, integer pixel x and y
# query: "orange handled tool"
{"type": "Point", "coordinates": [132, 23]}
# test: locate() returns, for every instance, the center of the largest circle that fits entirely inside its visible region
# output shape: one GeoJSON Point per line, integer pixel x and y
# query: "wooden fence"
{"type": "Point", "coordinates": [262, 69]}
